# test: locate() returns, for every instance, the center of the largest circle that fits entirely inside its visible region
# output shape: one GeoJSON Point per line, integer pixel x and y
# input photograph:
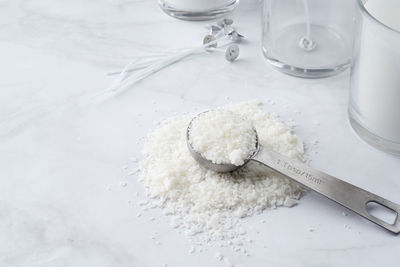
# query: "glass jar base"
{"type": "Point", "coordinates": [328, 56]}
{"type": "Point", "coordinates": [197, 15]}
{"type": "Point", "coordinates": [306, 72]}
{"type": "Point", "coordinates": [373, 139]}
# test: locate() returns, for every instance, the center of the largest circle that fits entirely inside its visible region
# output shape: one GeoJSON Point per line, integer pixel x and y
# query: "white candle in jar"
{"type": "Point", "coordinates": [198, 5]}
{"type": "Point", "coordinates": [376, 73]}
{"type": "Point", "coordinates": [385, 11]}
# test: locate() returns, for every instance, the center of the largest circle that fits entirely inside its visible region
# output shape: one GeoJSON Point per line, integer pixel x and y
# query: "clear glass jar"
{"type": "Point", "coordinates": [197, 9]}
{"type": "Point", "coordinates": [308, 38]}
{"type": "Point", "coordinates": [374, 107]}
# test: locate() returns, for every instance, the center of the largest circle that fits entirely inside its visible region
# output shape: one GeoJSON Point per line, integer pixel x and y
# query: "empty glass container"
{"type": "Point", "coordinates": [308, 38]}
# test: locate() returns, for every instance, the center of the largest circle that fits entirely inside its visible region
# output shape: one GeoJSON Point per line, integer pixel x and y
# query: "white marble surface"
{"type": "Point", "coordinates": [61, 163]}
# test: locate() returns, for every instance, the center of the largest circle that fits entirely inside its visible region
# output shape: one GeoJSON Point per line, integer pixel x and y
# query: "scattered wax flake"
{"type": "Point", "coordinates": [133, 172]}
{"type": "Point", "coordinates": [143, 203]}
{"type": "Point", "coordinates": [289, 202]}
{"type": "Point", "coordinates": [219, 256]}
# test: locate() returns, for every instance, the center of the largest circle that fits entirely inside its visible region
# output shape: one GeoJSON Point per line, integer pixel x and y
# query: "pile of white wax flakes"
{"type": "Point", "coordinates": [208, 206]}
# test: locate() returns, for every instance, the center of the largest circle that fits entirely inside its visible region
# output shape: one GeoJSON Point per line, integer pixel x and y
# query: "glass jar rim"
{"type": "Point", "coordinates": [368, 14]}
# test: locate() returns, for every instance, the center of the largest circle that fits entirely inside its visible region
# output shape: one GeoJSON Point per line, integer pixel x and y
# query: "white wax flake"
{"type": "Point", "coordinates": [344, 213]}
{"type": "Point", "coordinates": [219, 256]}
{"type": "Point", "coordinates": [239, 243]}
{"type": "Point", "coordinates": [192, 250]}
{"type": "Point", "coordinates": [133, 172]}
{"type": "Point", "coordinates": [158, 242]}
{"type": "Point", "coordinates": [138, 215]}
{"type": "Point", "coordinates": [152, 219]}
{"type": "Point", "coordinates": [192, 232]}
{"type": "Point", "coordinates": [175, 223]}
{"type": "Point", "coordinates": [289, 202]}
{"type": "Point", "coordinates": [123, 184]}
{"type": "Point", "coordinates": [165, 265]}
{"type": "Point", "coordinates": [311, 230]}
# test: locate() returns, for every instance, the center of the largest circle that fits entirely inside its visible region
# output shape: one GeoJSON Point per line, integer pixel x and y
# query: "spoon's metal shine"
{"type": "Point", "coordinates": [346, 194]}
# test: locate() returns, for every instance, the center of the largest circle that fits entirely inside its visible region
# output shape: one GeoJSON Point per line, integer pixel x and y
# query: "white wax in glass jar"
{"type": "Point", "coordinates": [376, 81]}
{"type": "Point", "coordinates": [385, 11]}
{"type": "Point", "coordinates": [198, 5]}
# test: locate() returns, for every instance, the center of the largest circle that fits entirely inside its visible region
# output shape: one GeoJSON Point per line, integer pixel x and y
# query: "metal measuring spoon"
{"type": "Point", "coordinates": [346, 194]}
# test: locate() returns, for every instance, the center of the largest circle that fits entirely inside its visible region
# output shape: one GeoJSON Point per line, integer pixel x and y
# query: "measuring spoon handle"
{"type": "Point", "coordinates": [347, 195]}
